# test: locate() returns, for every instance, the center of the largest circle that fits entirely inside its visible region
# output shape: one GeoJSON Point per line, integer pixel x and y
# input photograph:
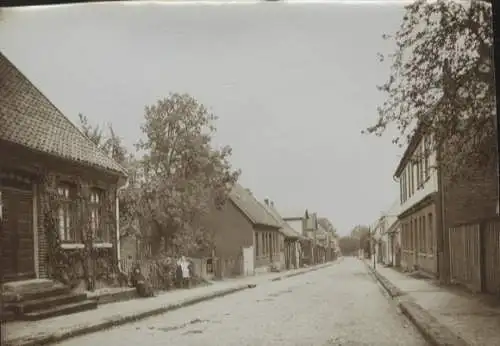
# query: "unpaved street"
{"type": "Point", "coordinates": [338, 305]}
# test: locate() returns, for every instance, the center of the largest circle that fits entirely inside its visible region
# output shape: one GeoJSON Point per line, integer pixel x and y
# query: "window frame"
{"type": "Point", "coordinates": [100, 233]}
{"type": "Point", "coordinates": [66, 193]}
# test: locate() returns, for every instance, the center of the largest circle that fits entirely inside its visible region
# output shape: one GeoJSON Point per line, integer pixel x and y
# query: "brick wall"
{"type": "Point", "coordinates": [471, 197]}
{"type": "Point", "coordinates": [233, 230]}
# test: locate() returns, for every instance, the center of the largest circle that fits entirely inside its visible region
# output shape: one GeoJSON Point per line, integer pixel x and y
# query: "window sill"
{"type": "Point", "coordinates": [70, 246]}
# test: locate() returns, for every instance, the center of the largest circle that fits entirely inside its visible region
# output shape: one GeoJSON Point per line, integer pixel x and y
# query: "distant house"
{"type": "Point", "coordinates": [247, 237]}
{"type": "Point", "coordinates": [307, 225]}
{"type": "Point", "coordinates": [386, 232]}
{"type": "Point", "coordinates": [291, 238]}
{"type": "Point", "coordinates": [57, 189]}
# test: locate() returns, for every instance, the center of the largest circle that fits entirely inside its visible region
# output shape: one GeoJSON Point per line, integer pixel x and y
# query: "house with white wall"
{"type": "Point", "coordinates": [419, 205]}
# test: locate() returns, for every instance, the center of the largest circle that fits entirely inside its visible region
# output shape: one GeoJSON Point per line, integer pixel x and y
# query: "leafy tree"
{"type": "Point", "coordinates": [442, 80]}
{"type": "Point", "coordinates": [348, 245]}
{"type": "Point", "coordinates": [111, 144]}
{"type": "Point", "coordinates": [362, 235]}
{"type": "Point", "coordinates": [182, 173]}
{"type": "Point", "coordinates": [327, 224]}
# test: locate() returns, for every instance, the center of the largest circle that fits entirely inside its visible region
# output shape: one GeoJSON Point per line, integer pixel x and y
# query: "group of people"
{"type": "Point", "coordinates": [183, 275]}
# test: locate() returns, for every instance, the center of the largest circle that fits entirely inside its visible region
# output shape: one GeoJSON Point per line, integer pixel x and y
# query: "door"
{"type": "Point", "coordinates": [248, 260]}
{"type": "Point", "coordinates": [17, 241]}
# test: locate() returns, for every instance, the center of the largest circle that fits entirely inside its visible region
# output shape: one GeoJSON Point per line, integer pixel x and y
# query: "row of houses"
{"type": "Point", "coordinates": [442, 225]}
{"type": "Point", "coordinates": [252, 237]}
{"type": "Point", "coordinates": [48, 167]}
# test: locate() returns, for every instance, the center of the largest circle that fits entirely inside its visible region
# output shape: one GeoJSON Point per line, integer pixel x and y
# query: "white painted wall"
{"type": "Point", "coordinates": [430, 186]}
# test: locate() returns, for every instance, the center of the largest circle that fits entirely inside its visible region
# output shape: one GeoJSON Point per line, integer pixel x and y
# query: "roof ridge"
{"type": "Point", "coordinates": [59, 112]}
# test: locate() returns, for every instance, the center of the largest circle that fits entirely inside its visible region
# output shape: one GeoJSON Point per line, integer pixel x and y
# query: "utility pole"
{"type": "Point", "coordinates": [372, 236]}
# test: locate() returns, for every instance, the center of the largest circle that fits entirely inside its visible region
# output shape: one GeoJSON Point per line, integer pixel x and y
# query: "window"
{"type": "Point", "coordinates": [423, 247]}
{"type": "Point", "coordinates": [401, 191]}
{"type": "Point", "coordinates": [410, 180]}
{"type": "Point", "coordinates": [417, 164]}
{"type": "Point", "coordinates": [404, 183]}
{"type": "Point", "coordinates": [66, 231]}
{"type": "Point", "coordinates": [271, 242]}
{"type": "Point", "coordinates": [264, 242]}
{"type": "Point", "coordinates": [257, 244]}
{"type": "Point", "coordinates": [421, 162]}
{"type": "Point", "coordinates": [430, 231]}
{"type": "Point", "coordinates": [427, 148]}
{"type": "Point", "coordinates": [98, 230]}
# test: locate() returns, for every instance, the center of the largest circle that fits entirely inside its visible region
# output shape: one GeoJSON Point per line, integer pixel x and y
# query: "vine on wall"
{"type": "Point", "coordinates": [72, 266]}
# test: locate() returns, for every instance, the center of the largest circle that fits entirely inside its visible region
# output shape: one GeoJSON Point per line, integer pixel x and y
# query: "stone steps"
{"type": "Point", "coordinates": [38, 299]}
{"type": "Point", "coordinates": [60, 310]}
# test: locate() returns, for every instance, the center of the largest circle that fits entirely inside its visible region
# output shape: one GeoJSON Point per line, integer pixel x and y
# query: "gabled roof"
{"type": "Point", "coordinates": [286, 229]}
{"type": "Point", "coordinates": [321, 233]}
{"type": "Point", "coordinates": [251, 207]}
{"type": "Point", "coordinates": [28, 118]}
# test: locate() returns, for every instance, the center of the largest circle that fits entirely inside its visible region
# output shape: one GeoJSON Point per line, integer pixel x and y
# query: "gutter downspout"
{"type": "Point", "coordinates": [117, 204]}
{"type": "Point", "coordinates": [441, 252]}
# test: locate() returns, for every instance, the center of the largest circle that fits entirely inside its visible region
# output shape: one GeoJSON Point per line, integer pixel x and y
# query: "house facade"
{"type": "Point", "coordinates": [386, 232]}
{"type": "Point", "coordinates": [307, 225]}
{"type": "Point", "coordinates": [291, 238]}
{"type": "Point", "coordinates": [419, 205]}
{"type": "Point", "coordinates": [433, 200]}
{"type": "Point", "coordinates": [265, 235]}
{"type": "Point", "coordinates": [58, 191]}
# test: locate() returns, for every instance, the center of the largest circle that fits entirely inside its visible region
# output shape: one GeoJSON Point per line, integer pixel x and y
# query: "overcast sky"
{"type": "Point", "coordinates": [292, 84]}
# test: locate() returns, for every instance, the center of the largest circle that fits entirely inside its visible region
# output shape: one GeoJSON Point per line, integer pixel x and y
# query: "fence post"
{"type": "Point", "coordinates": [482, 255]}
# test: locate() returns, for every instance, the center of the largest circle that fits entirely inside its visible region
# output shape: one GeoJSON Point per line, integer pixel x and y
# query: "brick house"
{"type": "Point", "coordinates": [247, 237]}
{"type": "Point", "coordinates": [431, 203]}
{"type": "Point", "coordinates": [48, 172]}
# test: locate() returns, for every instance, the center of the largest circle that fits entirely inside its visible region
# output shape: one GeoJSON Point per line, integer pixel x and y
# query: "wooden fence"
{"type": "Point", "coordinates": [475, 255]}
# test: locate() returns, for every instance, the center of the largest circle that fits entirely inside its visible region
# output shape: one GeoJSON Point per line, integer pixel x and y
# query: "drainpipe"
{"type": "Point", "coordinates": [117, 215]}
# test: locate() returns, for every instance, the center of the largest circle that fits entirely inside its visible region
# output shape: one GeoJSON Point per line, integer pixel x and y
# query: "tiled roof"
{"type": "Point", "coordinates": [286, 229]}
{"type": "Point", "coordinates": [251, 207]}
{"type": "Point", "coordinates": [28, 118]}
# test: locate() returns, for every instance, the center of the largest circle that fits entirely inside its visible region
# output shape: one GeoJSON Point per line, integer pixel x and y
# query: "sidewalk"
{"type": "Point", "coordinates": [445, 316]}
{"type": "Point", "coordinates": [27, 333]}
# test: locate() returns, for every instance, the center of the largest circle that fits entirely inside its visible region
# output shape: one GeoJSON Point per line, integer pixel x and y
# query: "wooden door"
{"type": "Point", "coordinates": [17, 241]}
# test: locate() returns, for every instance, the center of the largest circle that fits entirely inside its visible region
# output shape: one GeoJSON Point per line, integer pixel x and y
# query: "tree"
{"type": "Point", "coordinates": [348, 245]}
{"type": "Point", "coordinates": [442, 80]}
{"type": "Point", "coordinates": [182, 173]}
{"type": "Point", "coordinates": [362, 235]}
{"type": "Point", "coordinates": [327, 225]}
{"type": "Point", "coordinates": [111, 144]}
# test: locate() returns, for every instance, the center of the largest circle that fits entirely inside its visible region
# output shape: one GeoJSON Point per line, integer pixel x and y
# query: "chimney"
{"type": "Point", "coordinates": [266, 201]}
{"type": "Point", "coordinates": [272, 204]}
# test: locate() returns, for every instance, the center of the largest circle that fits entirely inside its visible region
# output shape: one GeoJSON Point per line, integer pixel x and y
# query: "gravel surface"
{"type": "Point", "coordinates": [338, 305]}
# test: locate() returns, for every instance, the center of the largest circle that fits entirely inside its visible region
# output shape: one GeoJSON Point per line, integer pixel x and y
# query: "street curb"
{"type": "Point", "coordinates": [436, 333]}
{"type": "Point", "coordinates": [393, 291]}
{"type": "Point", "coordinates": [121, 320]}
{"type": "Point", "coordinates": [310, 269]}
